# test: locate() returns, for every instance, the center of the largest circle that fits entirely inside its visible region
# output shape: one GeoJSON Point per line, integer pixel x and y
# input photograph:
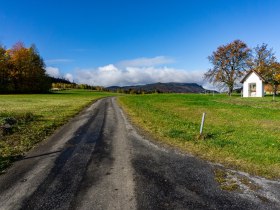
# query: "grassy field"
{"type": "Point", "coordinates": [243, 133]}
{"type": "Point", "coordinates": [35, 117]}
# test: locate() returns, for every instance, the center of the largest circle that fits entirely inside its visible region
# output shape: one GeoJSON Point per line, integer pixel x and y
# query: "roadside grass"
{"type": "Point", "coordinates": [242, 133]}
{"type": "Point", "coordinates": [35, 116]}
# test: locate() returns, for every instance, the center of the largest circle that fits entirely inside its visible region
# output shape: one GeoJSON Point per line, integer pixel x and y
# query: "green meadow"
{"type": "Point", "coordinates": [242, 133]}
{"type": "Point", "coordinates": [36, 116]}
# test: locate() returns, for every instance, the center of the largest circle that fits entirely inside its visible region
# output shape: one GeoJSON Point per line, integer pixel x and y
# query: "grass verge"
{"type": "Point", "coordinates": [27, 119]}
{"type": "Point", "coordinates": [242, 133]}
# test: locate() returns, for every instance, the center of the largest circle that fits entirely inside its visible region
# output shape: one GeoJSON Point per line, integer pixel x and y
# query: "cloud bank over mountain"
{"type": "Point", "coordinates": [111, 75]}
{"type": "Point", "coordinates": [137, 71]}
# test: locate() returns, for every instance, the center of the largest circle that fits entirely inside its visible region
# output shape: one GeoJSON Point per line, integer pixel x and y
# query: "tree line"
{"type": "Point", "coordinates": [22, 70]}
{"type": "Point", "coordinates": [232, 61]}
{"type": "Point", "coordinates": [64, 85]}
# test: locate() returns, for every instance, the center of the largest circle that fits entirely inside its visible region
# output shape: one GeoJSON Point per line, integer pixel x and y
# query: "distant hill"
{"type": "Point", "coordinates": [171, 87]}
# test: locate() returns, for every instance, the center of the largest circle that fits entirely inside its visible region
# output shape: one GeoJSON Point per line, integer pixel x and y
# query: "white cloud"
{"type": "Point", "coordinates": [141, 62]}
{"type": "Point", "coordinates": [59, 60]}
{"type": "Point", "coordinates": [52, 71]}
{"type": "Point", "coordinates": [209, 86]}
{"type": "Point", "coordinates": [69, 77]}
{"type": "Point", "coordinates": [110, 75]}
{"type": "Point", "coordinates": [139, 71]}
{"type": "Point", "coordinates": [108, 68]}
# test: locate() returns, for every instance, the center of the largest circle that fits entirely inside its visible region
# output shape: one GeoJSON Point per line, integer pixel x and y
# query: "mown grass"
{"type": "Point", "coordinates": [243, 133]}
{"type": "Point", "coordinates": [37, 116]}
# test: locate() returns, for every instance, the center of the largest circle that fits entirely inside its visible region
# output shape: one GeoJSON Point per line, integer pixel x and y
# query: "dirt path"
{"type": "Point", "coordinates": [99, 161]}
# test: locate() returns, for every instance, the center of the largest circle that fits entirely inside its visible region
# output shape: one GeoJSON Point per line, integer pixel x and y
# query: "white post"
{"type": "Point", "coordinates": [202, 122]}
{"type": "Point", "coordinates": [273, 96]}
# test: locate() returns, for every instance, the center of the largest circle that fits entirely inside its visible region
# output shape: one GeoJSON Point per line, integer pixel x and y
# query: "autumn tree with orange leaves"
{"type": "Point", "coordinates": [22, 70]}
{"type": "Point", "coordinates": [265, 64]}
{"type": "Point", "coordinates": [272, 76]}
{"type": "Point", "coordinates": [4, 70]}
{"type": "Point", "coordinates": [229, 64]}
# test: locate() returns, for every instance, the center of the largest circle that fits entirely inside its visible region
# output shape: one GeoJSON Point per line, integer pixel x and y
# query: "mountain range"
{"type": "Point", "coordinates": [171, 87]}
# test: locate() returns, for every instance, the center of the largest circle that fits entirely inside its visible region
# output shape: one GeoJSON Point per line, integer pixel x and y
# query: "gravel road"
{"type": "Point", "coordinates": [98, 160]}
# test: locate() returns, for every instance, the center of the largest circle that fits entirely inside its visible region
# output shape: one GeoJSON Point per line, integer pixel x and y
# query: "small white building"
{"type": "Point", "coordinates": [253, 84]}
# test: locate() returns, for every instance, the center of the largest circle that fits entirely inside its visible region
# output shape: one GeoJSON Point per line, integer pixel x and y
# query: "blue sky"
{"type": "Point", "coordinates": [123, 42]}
